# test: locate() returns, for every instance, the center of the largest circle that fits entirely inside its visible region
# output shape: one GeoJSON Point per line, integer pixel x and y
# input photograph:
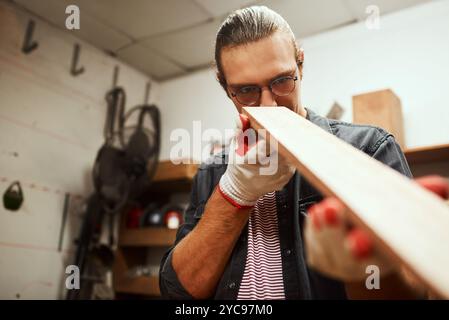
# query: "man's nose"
{"type": "Point", "coordinates": [267, 98]}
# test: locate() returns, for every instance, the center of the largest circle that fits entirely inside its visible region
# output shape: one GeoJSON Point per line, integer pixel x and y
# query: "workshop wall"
{"type": "Point", "coordinates": [407, 54]}
{"type": "Point", "coordinates": [195, 98]}
{"type": "Point", "coordinates": [51, 126]}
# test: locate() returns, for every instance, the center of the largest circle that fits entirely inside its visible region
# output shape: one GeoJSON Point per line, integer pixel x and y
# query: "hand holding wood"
{"type": "Point", "coordinates": [337, 249]}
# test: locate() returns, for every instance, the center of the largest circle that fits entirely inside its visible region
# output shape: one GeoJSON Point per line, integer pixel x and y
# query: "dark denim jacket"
{"type": "Point", "coordinates": [300, 282]}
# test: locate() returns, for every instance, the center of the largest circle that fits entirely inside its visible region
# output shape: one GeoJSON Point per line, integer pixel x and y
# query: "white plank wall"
{"type": "Point", "coordinates": [51, 126]}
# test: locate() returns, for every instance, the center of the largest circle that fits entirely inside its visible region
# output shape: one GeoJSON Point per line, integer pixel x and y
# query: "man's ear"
{"type": "Point", "coordinates": [222, 82]}
{"type": "Point", "coordinates": [300, 61]}
{"type": "Point", "coordinates": [301, 54]}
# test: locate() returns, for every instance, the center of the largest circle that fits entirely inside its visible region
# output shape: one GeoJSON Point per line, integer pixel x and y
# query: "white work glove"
{"type": "Point", "coordinates": [340, 251]}
{"type": "Point", "coordinates": [251, 173]}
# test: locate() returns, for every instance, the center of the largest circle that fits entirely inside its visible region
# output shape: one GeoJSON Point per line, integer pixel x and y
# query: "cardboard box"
{"type": "Point", "coordinates": [382, 109]}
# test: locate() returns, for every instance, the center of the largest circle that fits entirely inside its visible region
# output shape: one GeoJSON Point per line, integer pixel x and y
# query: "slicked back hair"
{"type": "Point", "coordinates": [250, 25]}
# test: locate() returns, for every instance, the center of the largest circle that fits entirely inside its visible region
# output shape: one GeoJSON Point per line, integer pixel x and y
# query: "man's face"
{"type": "Point", "coordinates": [259, 63]}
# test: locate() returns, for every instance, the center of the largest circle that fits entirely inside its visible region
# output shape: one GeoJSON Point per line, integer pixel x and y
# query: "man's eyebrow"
{"type": "Point", "coordinates": [290, 72]}
{"type": "Point", "coordinates": [284, 74]}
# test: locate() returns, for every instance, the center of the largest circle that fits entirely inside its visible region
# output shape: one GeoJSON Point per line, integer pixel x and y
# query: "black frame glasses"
{"type": "Point", "coordinates": [249, 95]}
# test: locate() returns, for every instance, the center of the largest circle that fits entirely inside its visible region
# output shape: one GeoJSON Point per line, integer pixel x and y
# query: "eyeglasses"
{"type": "Point", "coordinates": [250, 95]}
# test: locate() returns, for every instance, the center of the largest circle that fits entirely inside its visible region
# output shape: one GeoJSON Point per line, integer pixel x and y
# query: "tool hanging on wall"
{"type": "Point", "coordinates": [64, 218]}
{"type": "Point", "coordinates": [13, 198]}
{"type": "Point", "coordinates": [123, 170]}
{"type": "Point", "coordinates": [147, 93]}
{"type": "Point", "coordinates": [87, 241]}
{"type": "Point", "coordinates": [75, 70]}
{"type": "Point", "coordinates": [127, 161]}
{"type": "Point", "coordinates": [115, 76]}
{"type": "Point", "coordinates": [29, 44]}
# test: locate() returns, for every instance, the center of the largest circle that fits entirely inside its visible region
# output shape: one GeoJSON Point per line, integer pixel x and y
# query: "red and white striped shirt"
{"type": "Point", "coordinates": [262, 278]}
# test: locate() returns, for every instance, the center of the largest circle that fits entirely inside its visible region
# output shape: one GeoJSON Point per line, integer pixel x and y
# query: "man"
{"type": "Point", "coordinates": [243, 231]}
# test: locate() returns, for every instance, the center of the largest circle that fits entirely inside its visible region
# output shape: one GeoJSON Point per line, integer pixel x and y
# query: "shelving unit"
{"type": "Point", "coordinates": [133, 244]}
{"type": "Point", "coordinates": [167, 171]}
{"type": "Point", "coordinates": [428, 160]}
{"type": "Point", "coordinates": [427, 154]}
{"type": "Point", "coordinates": [123, 284]}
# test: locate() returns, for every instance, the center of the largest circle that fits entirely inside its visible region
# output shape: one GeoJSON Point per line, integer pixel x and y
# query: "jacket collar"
{"type": "Point", "coordinates": [318, 120]}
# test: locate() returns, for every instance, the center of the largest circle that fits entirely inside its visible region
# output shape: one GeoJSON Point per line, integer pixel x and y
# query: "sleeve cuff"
{"type": "Point", "coordinates": [171, 287]}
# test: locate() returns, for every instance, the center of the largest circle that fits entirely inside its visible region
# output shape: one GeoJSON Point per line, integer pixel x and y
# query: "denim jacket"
{"type": "Point", "coordinates": [292, 203]}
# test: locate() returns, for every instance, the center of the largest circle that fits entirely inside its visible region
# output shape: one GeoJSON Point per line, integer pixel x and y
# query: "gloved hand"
{"type": "Point", "coordinates": [340, 251]}
{"type": "Point", "coordinates": [251, 173]}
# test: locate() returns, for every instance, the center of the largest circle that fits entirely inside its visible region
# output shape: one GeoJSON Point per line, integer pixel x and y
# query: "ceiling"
{"type": "Point", "coordinates": [169, 38]}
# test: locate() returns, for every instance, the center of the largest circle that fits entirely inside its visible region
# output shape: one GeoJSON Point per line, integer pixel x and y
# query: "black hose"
{"type": "Point", "coordinates": [116, 100]}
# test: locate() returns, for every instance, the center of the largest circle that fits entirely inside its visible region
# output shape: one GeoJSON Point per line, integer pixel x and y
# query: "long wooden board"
{"type": "Point", "coordinates": [408, 222]}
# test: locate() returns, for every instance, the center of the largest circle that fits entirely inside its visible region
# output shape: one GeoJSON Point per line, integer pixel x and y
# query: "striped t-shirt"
{"type": "Point", "coordinates": [262, 278]}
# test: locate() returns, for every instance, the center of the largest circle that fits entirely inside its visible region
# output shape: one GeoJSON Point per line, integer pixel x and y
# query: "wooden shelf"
{"type": "Point", "coordinates": [133, 243]}
{"type": "Point", "coordinates": [123, 283]}
{"type": "Point", "coordinates": [151, 236]}
{"type": "Point", "coordinates": [427, 154]}
{"type": "Point", "coordinates": [173, 178]}
{"type": "Point", "coordinates": [164, 187]}
{"type": "Point", "coordinates": [167, 171]}
{"type": "Point", "coordinates": [140, 285]}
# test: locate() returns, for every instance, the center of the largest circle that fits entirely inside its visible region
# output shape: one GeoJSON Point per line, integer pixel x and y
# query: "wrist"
{"type": "Point", "coordinates": [231, 194]}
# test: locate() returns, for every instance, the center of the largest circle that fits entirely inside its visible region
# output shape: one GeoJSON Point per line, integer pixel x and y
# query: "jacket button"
{"type": "Point", "coordinates": [232, 285]}
{"type": "Point", "coordinates": [288, 252]}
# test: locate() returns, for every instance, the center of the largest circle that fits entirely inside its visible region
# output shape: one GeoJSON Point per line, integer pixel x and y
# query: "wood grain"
{"type": "Point", "coordinates": [408, 222]}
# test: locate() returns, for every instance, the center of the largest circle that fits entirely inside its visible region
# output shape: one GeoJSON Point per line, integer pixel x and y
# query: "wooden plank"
{"type": "Point", "coordinates": [151, 236]}
{"type": "Point", "coordinates": [408, 222]}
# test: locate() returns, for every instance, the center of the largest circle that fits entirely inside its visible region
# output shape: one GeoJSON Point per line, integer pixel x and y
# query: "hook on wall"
{"type": "Point", "coordinates": [147, 93]}
{"type": "Point", "coordinates": [28, 43]}
{"type": "Point", "coordinates": [115, 77]}
{"type": "Point", "coordinates": [75, 70]}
